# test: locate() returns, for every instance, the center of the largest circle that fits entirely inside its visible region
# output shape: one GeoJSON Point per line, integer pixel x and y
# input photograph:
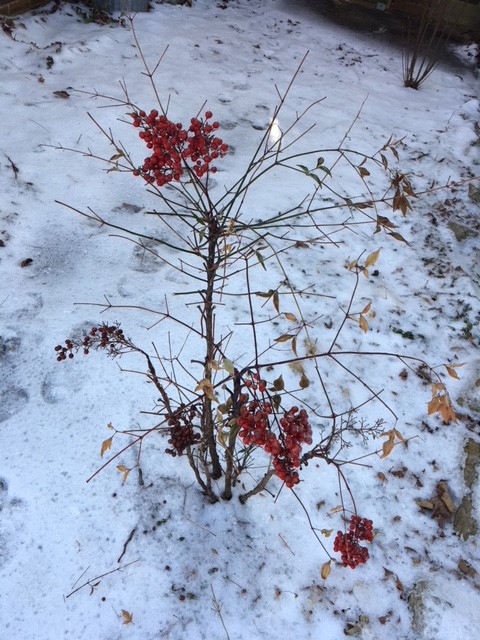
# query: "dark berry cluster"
{"type": "Point", "coordinates": [109, 337]}
{"type": "Point", "coordinates": [254, 422]}
{"type": "Point", "coordinates": [172, 146]}
{"type": "Point", "coordinates": [181, 431]}
{"type": "Point", "coordinates": [347, 543]}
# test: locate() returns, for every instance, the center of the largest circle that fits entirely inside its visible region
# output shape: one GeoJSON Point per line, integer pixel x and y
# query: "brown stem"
{"type": "Point", "coordinates": [260, 487]}
{"type": "Point", "coordinates": [211, 267]}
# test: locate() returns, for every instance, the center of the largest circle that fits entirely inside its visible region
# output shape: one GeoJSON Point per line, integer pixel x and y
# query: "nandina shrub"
{"type": "Point", "coordinates": [220, 410]}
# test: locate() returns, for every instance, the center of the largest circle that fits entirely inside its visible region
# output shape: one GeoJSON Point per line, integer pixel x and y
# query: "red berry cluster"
{"type": "Point", "coordinates": [347, 543]}
{"type": "Point", "coordinates": [105, 336]}
{"type": "Point", "coordinates": [296, 430]}
{"type": "Point", "coordinates": [255, 429]}
{"type": "Point", "coordinates": [181, 430]}
{"type": "Point", "coordinates": [172, 146]}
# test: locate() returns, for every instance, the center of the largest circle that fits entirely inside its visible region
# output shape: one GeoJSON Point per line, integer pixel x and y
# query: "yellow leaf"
{"type": "Point", "coordinates": [336, 509]}
{"type": "Point", "coordinates": [106, 444]}
{"type": "Point", "coordinates": [372, 258]}
{"type": "Point", "coordinates": [326, 569]}
{"type": "Point", "coordinates": [363, 323]}
{"type": "Point", "coordinates": [228, 366]}
{"type": "Point", "coordinates": [425, 504]}
{"type": "Point", "coordinates": [326, 532]}
{"type": "Point", "coordinates": [127, 617]}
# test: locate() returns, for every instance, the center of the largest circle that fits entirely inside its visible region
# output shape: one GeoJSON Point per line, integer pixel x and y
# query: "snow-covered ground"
{"type": "Point", "coordinates": [183, 568]}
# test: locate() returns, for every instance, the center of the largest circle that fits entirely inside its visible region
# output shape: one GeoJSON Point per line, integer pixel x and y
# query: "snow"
{"type": "Point", "coordinates": [259, 562]}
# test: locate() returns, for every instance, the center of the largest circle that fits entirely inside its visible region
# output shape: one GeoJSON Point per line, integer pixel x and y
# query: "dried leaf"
{"type": "Point", "coordinates": [326, 569]}
{"type": "Point", "coordinates": [326, 532]}
{"type": "Point", "coordinates": [290, 316]}
{"type": "Point", "coordinates": [372, 258]}
{"type": "Point", "coordinates": [401, 202]}
{"type": "Point", "coordinates": [106, 444]}
{"type": "Point", "coordinates": [363, 323]}
{"type": "Point", "coordinates": [206, 386]}
{"type": "Point", "coordinates": [451, 372]}
{"type": "Point", "coordinates": [425, 504]}
{"type": "Point", "coordinates": [434, 405]}
{"type": "Point", "coordinates": [279, 384]}
{"type": "Point", "coordinates": [397, 236]}
{"type": "Point", "coordinates": [61, 94]}
{"type": "Point", "coordinates": [124, 471]}
{"type": "Point", "coordinates": [363, 172]}
{"type": "Point", "coordinates": [388, 446]}
{"type": "Point", "coordinates": [304, 382]}
{"type": "Point", "coordinates": [294, 346]}
{"type": "Point", "coordinates": [367, 308]}
{"type": "Point", "coordinates": [276, 302]}
{"type": "Point", "coordinates": [336, 509]}
{"type": "Point", "coordinates": [127, 617]}
{"type": "Point", "coordinates": [285, 337]}
{"type": "Point", "coordinates": [228, 366]}
{"type": "Point", "coordinates": [260, 259]}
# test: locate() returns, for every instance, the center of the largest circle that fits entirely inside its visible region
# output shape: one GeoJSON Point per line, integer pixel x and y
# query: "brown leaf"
{"type": "Point", "coordinates": [363, 323]}
{"type": "Point", "coordinates": [363, 172]}
{"type": "Point", "coordinates": [106, 444]}
{"type": "Point", "coordinates": [206, 386]}
{"type": "Point", "coordinates": [294, 346]}
{"type": "Point", "coordinates": [388, 446]}
{"type": "Point", "coordinates": [61, 94]}
{"type": "Point", "coordinates": [304, 382]}
{"type": "Point", "coordinates": [26, 262]}
{"type": "Point", "coordinates": [276, 302]}
{"type": "Point", "coordinates": [285, 337]}
{"type": "Point", "coordinates": [367, 308]}
{"type": "Point", "coordinates": [451, 372]}
{"type": "Point", "coordinates": [124, 471]}
{"type": "Point", "coordinates": [127, 617]}
{"type": "Point", "coordinates": [397, 236]}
